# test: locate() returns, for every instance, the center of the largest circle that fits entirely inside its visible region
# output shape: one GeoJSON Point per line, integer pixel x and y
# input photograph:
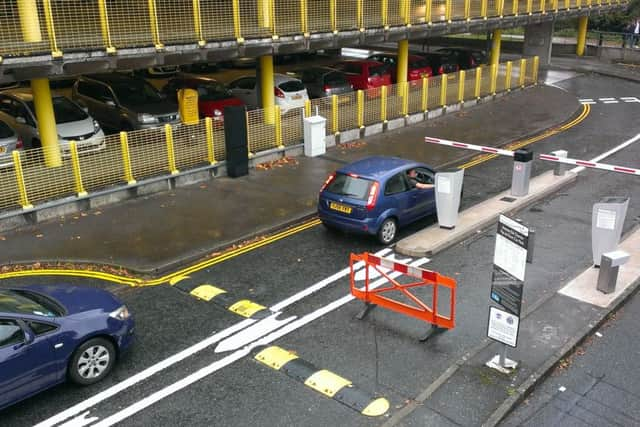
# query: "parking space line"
{"type": "Point", "coordinates": [323, 381]}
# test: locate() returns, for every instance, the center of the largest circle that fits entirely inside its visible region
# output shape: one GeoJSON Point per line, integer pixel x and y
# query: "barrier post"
{"type": "Point", "coordinates": [427, 11]}
{"type": "Point", "coordinates": [523, 72]}
{"type": "Point", "coordinates": [404, 90]}
{"type": "Point", "coordinates": [494, 78]}
{"type": "Point", "coordinates": [77, 172]}
{"type": "Point", "coordinates": [443, 90]}
{"type": "Point", "coordinates": [478, 82]}
{"type": "Point", "coordinates": [278, 127]}
{"type": "Point", "coordinates": [483, 9]}
{"type": "Point", "coordinates": [447, 11]}
{"type": "Point", "coordinates": [237, 30]}
{"type": "Point", "coordinates": [171, 155]}
{"type": "Point", "coordinates": [359, 17]}
{"type": "Point", "coordinates": [360, 95]}
{"type": "Point", "coordinates": [515, 8]}
{"type": "Point", "coordinates": [425, 94]}
{"type": "Point", "coordinates": [307, 108]}
{"type": "Point", "coordinates": [208, 125]}
{"type": "Point", "coordinates": [22, 188]}
{"type": "Point", "coordinates": [197, 22]}
{"type": "Point", "coordinates": [334, 114]}
{"type": "Point", "coordinates": [529, 7]}
{"type": "Point", "coordinates": [507, 77]}
{"type": "Point", "coordinates": [536, 62]}
{"type": "Point", "coordinates": [126, 158]}
{"type": "Point", "coordinates": [51, 29]}
{"type": "Point", "coordinates": [461, 82]}
{"type": "Point", "coordinates": [383, 104]}
{"type": "Point", "coordinates": [467, 10]}
{"type": "Point", "coordinates": [384, 12]}
{"type": "Point", "coordinates": [153, 20]}
{"type": "Point", "coordinates": [333, 7]}
{"type": "Point", "coordinates": [104, 26]}
{"type": "Point", "coordinates": [304, 20]}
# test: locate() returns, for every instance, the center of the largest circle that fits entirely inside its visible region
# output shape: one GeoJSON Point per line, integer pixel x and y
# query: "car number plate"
{"type": "Point", "coordinates": [296, 97]}
{"type": "Point", "coordinates": [340, 208]}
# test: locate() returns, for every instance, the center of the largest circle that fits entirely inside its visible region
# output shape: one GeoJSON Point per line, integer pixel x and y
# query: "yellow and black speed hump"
{"type": "Point", "coordinates": [322, 381]}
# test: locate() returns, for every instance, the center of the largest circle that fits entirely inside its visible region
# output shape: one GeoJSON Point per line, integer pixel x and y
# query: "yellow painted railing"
{"type": "Point", "coordinates": [29, 27]}
{"type": "Point", "coordinates": [131, 157]}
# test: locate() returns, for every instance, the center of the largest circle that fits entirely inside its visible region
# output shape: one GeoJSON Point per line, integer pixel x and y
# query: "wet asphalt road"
{"type": "Point", "coordinates": [381, 353]}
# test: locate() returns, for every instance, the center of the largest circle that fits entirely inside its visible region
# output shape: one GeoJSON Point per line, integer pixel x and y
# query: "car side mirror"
{"type": "Point", "coordinates": [21, 120]}
{"type": "Point", "coordinates": [29, 337]}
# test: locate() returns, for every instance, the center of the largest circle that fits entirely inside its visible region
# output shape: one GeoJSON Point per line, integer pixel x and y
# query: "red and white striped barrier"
{"type": "Point", "coordinates": [593, 165]}
{"type": "Point", "coordinates": [491, 150]}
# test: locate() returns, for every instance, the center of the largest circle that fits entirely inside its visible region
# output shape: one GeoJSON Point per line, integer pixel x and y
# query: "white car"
{"type": "Point", "coordinates": [72, 122]}
{"type": "Point", "coordinates": [9, 141]}
{"type": "Point", "coordinates": [289, 92]}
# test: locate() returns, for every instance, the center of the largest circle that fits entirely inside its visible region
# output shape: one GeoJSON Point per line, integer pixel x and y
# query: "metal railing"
{"type": "Point", "coordinates": [29, 27]}
{"type": "Point", "coordinates": [133, 156]}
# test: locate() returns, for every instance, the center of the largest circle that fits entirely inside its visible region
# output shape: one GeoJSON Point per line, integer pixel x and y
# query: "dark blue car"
{"type": "Point", "coordinates": [376, 196]}
{"type": "Point", "coordinates": [50, 333]}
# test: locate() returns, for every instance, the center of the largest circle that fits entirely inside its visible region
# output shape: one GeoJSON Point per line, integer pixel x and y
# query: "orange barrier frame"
{"type": "Point", "coordinates": [421, 310]}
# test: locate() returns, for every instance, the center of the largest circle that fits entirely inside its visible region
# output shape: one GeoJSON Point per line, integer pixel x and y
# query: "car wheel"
{"type": "Point", "coordinates": [92, 361]}
{"type": "Point", "coordinates": [387, 231]}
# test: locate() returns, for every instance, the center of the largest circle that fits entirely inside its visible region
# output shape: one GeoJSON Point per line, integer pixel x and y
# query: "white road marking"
{"type": "Point", "coordinates": [611, 102]}
{"type": "Point", "coordinates": [606, 99]}
{"type": "Point", "coordinates": [588, 102]}
{"type": "Point", "coordinates": [252, 333]}
{"type": "Point", "coordinates": [630, 99]}
{"type": "Point", "coordinates": [237, 355]}
{"type": "Point", "coordinates": [608, 153]}
{"type": "Point", "coordinates": [171, 360]}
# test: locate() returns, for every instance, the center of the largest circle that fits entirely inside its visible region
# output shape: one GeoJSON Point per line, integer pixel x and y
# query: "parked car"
{"type": "Point", "coordinates": [123, 102]}
{"type": "Point", "coordinates": [322, 81]}
{"type": "Point", "coordinates": [465, 58]}
{"type": "Point", "coordinates": [375, 196]}
{"type": "Point", "coordinates": [213, 96]}
{"type": "Point", "coordinates": [418, 67]}
{"type": "Point", "coordinates": [9, 141]}
{"type": "Point", "coordinates": [200, 68]}
{"type": "Point", "coordinates": [365, 74]}
{"type": "Point", "coordinates": [161, 72]}
{"type": "Point", "coordinates": [51, 333]}
{"type": "Point", "coordinates": [290, 93]}
{"type": "Point", "coordinates": [441, 63]}
{"type": "Point", "coordinates": [72, 122]}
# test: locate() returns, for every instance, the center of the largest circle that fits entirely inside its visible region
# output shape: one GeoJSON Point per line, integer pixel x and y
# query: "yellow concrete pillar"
{"type": "Point", "coordinates": [46, 122]}
{"type": "Point", "coordinates": [29, 21]}
{"type": "Point", "coordinates": [582, 35]}
{"type": "Point", "coordinates": [266, 88]}
{"type": "Point", "coordinates": [403, 61]}
{"type": "Point", "coordinates": [495, 46]}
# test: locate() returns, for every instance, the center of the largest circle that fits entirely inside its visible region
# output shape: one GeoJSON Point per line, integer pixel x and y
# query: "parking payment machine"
{"type": "Point", "coordinates": [607, 220]}
{"type": "Point", "coordinates": [448, 189]}
{"type": "Point", "coordinates": [522, 161]}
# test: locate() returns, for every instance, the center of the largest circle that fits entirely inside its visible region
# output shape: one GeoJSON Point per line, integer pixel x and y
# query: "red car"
{"type": "Point", "coordinates": [365, 74]}
{"type": "Point", "coordinates": [418, 67]}
{"type": "Point", "coordinates": [213, 96]}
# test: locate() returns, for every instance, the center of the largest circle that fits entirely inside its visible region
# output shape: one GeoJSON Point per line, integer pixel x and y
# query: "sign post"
{"type": "Point", "coordinates": [507, 281]}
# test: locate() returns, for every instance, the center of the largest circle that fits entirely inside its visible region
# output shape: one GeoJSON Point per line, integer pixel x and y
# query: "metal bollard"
{"type": "Point", "coordinates": [609, 265]}
{"type": "Point", "coordinates": [522, 161]}
{"type": "Point", "coordinates": [560, 168]}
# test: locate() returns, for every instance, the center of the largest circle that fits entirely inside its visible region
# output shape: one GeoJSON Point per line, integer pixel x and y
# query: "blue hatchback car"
{"type": "Point", "coordinates": [376, 196]}
{"type": "Point", "coordinates": [49, 333]}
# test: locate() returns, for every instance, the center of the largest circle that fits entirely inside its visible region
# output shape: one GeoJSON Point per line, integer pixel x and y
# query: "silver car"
{"type": "Point", "coordinates": [72, 122]}
{"type": "Point", "coordinates": [9, 141]}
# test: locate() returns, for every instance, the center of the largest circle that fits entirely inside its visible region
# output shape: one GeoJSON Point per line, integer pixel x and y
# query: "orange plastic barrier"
{"type": "Point", "coordinates": [420, 310]}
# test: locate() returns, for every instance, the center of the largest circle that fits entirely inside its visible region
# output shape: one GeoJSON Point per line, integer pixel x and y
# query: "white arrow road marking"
{"type": "Point", "coordinates": [608, 153]}
{"type": "Point", "coordinates": [630, 99]}
{"type": "Point", "coordinates": [171, 360]}
{"type": "Point", "coordinates": [237, 355]}
{"type": "Point", "coordinates": [252, 333]}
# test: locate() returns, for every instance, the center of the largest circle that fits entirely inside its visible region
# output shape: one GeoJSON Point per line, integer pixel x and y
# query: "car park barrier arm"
{"type": "Point", "coordinates": [491, 150]}
{"type": "Point", "coordinates": [421, 277]}
{"type": "Point", "coordinates": [587, 164]}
